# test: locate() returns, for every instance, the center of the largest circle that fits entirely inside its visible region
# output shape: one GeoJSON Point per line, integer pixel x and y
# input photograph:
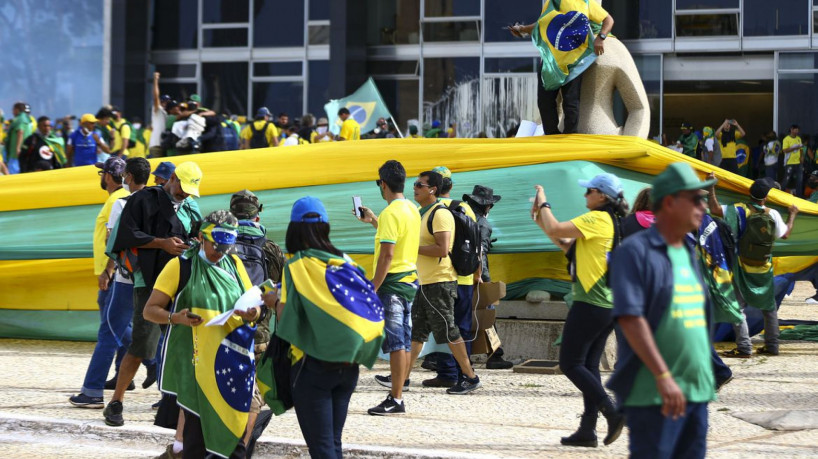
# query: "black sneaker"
{"type": "Point", "coordinates": [113, 414]}
{"type": "Point", "coordinates": [464, 386]}
{"type": "Point", "coordinates": [83, 401]}
{"type": "Point", "coordinates": [111, 384]}
{"type": "Point", "coordinates": [429, 365]}
{"type": "Point", "coordinates": [386, 381]}
{"type": "Point", "coordinates": [150, 378]}
{"type": "Point", "coordinates": [764, 350]}
{"type": "Point", "coordinates": [497, 363]}
{"type": "Point", "coordinates": [388, 407]}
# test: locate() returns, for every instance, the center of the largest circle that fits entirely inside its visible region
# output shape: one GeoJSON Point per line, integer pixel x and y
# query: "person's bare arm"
{"type": "Point", "coordinates": [69, 153]}
{"type": "Point", "coordinates": [562, 234]}
{"type": "Point", "coordinates": [100, 144]}
{"type": "Point", "coordinates": [712, 201]}
{"type": "Point", "coordinates": [19, 144]}
{"type": "Point", "coordinates": [368, 216]}
{"type": "Point", "coordinates": [637, 331]}
{"type": "Point", "coordinates": [440, 248]}
{"type": "Point", "coordinates": [740, 129]}
{"type": "Point", "coordinates": [384, 262]}
{"type": "Point", "coordinates": [156, 311]}
{"type": "Point", "coordinates": [790, 221]}
{"type": "Point", "coordinates": [156, 103]}
{"type": "Point", "coordinates": [599, 43]}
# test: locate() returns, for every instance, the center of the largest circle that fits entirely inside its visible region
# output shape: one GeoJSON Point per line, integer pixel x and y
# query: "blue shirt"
{"type": "Point", "coordinates": [641, 278]}
{"type": "Point", "coordinates": [85, 148]}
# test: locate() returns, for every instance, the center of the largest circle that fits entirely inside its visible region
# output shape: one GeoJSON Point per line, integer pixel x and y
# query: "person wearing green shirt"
{"type": "Point", "coordinates": [688, 141]}
{"type": "Point", "coordinates": [19, 130]}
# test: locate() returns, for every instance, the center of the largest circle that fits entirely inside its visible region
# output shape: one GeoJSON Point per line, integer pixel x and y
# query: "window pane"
{"type": "Point", "coordinates": [224, 87]}
{"type": "Point", "coordinates": [763, 18]}
{"type": "Point", "coordinates": [499, 16]}
{"type": "Point", "coordinates": [223, 38]}
{"type": "Point", "coordinates": [277, 23]}
{"type": "Point", "coordinates": [169, 30]}
{"type": "Point", "coordinates": [450, 92]}
{"type": "Point", "coordinates": [436, 8]}
{"type": "Point", "coordinates": [798, 61]}
{"type": "Point", "coordinates": [261, 69]}
{"type": "Point", "coordinates": [797, 101]}
{"type": "Point", "coordinates": [319, 9]}
{"type": "Point", "coordinates": [392, 22]}
{"type": "Point", "coordinates": [706, 25]}
{"type": "Point", "coordinates": [705, 4]}
{"type": "Point", "coordinates": [318, 90]}
{"type": "Point", "coordinates": [650, 69]}
{"type": "Point", "coordinates": [401, 97]}
{"type": "Point", "coordinates": [179, 91]}
{"type": "Point", "coordinates": [451, 31]}
{"type": "Point", "coordinates": [279, 97]}
{"type": "Point", "coordinates": [177, 71]}
{"type": "Point", "coordinates": [319, 35]}
{"type": "Point", "coordinates": [216, 11]}
{"type": "Point", "coordinates": [642, 19]}
{"type": "Point", "coordinates": [509, 65]}
{"type": "Point", "coordinates": [392, 67]}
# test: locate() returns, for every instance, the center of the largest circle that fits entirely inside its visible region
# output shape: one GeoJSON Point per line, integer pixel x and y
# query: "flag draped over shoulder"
{"type": "Point", "coordinates": [332, 312]}
{"type": "Point", "coordinates": [365, 106]}
{"type": "Point", "coordinates": [564, 35]}
{"type": "Point", "coordinates": [754, 281]}
{"type": "Point", "coordinates": [717, 272]}
{"type": "Point", "coordinates": [211, 369]}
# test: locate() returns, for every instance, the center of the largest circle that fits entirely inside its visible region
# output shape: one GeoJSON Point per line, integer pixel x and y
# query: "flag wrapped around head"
{"type": "Point", "coordinates": [223, 236]}
{"type": "Point", "coordinates": [332, 312]}
{"type": "Point", "coordinates": [564, 35]}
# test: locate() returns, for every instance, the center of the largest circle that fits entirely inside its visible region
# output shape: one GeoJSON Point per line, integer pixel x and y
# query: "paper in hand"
{"type": "Point", "coordinates": [249, 299]}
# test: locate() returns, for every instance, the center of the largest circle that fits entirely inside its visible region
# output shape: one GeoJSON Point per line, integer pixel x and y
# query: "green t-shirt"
{"type": "Point", "coordinates": [20, 127]}
{"type": "Point", "coordinates": [682, 339]}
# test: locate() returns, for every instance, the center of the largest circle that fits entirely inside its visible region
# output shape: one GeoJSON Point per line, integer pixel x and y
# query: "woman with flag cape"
{"type": "Point", "coordinates": [330, 314]}
{"type": "Point", "coordinates": [209, 369]}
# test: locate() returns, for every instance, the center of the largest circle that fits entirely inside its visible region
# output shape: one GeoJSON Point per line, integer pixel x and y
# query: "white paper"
{"type": "Point", "coordinates": [249, 299]}
{"type": "Point", "coordinates": [539, 130]}
{"type": "Point", "coordinates": [526, 128]}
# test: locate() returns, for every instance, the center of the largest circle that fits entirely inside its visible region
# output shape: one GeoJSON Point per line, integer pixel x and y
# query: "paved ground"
{"type": "Point", "coordinates": [515, 415]}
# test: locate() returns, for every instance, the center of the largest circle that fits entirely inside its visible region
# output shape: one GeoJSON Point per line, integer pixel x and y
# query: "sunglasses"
{"type": "Point", "coordinates": [420, 184]}
{"type": "Point", "coordinates": [378, 182]}
{"type": "Point", "coordinates": [590, 190]}
{"type": "Point", "coordinates": [696, 199]}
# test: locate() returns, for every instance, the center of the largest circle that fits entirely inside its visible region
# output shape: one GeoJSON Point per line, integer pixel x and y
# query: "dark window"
{"type": "Point", "coordinates": [401, 97]}
{"type": "Point", "coordinates": [797, 101]}
{"type": "Point", "coordinates": [499, 16]}
{"type": "Point", "coordinates": [451, 31]}
{"type": "Point", "coordinates": [641, 18]}
{"type": "Point", "coordinates": [261, 69]}
{"type": "Point", "coordinates": [318, 89]}
{"type": "Point", "coordinates": [707, 25]}
{"type": "Point", "coordinates": [174, 24]}
{"type": "Point", "coordinates": [179, 91]}
{"type": "Point", "coordinates": [277, 23]}
{"type": "Point", "coordinates": [705, 4]}
{"type": "Point", "coordinates": [392, 22]}
{"type": "Point", "coordinates": [279, 97]}
{"type": "Point", "coordinates": [177, 70]}
{"type": "Point", "coordinates": [218, 11]}
{"type": "Point", "coordinates": [319, 10]}
{"type": "Point", "coordinates": [224, 87]}
{"type": "Point", "coordinates": [436, 8]}
{"type": "Point", "coordinates": [319, 35]}
{"type": "Point", "coordinates": [509, 65]}
{"type": "Point", "coordinates": [392, 67]}
{"type": "Point", "coordinates": [763, 18]}
{"type": "Point", "coordinates": [224, 38]}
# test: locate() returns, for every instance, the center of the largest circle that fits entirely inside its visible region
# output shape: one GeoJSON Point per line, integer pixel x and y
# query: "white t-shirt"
{"type": "Point", "coordinates": [116, 211]}
{"type": "Point", "coordinates": [708, 144]}
{"type": "Point", "coordinates": [158, 119]}
{"type": "Point", "coordinates": [780, 226]}
{"type": "Point", "coordinates": [291, 141]}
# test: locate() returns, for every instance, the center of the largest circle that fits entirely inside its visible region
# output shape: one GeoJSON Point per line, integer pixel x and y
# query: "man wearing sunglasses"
{"type": "Point", "coordinates": [395, 279]}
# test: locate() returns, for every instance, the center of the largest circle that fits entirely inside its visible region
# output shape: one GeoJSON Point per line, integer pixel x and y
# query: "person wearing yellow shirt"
{"type": "Point", "coordinates": [791, 147]}
{"type": "Point", "coordinates": [350, 129]}
{"type": "Point", "coordinates": [121, 132]}
{"type": "Point", "coordinates": [261, 133]}
{"type": "Point", "coordinates": [727, 134]}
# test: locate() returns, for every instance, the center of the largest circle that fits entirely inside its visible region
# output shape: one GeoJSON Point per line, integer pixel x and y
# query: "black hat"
{"type": "Point", "coordinates": [761, 188]}
{"type": "Point", "coordinates": [482, 195]}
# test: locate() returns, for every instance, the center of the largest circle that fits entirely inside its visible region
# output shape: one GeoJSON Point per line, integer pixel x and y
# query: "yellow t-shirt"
{"type": "Point", "coordinates": [592, 251]}
{"type": "Point", "coordinates": [350, 130]}
{"type": "Point", "coordinates": [432, 270]}
{"type": "Point", "coordinates": [272, 131]}
{"type": "Point", "coordinates": [463, 280]}
{"type": "Point", "coordinates": [120, 132]}
{"type": "Point", "coordinates": [101, 230]}
{"type": "Point", "coordinates": [399, 224]}
{"type": "Point", "coordinates": [168, 279]}
{"type": "Point", "coordinates": [729, 151]}
{"type": "Point", "coordinates": [793, 157]}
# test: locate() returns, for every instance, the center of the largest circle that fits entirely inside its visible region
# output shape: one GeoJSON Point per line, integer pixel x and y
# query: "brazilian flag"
{"type": "Point", "coordinates": [718, 274]}
{"type": "Point", "coordinates": [753, 280]}
{"type": "Point", "coordinates": [564, 35]}
{"type": "Point", "coordinates": [743, 157]}
{"type": "Point", "coordinates": [57, 145]}
{"type": "Point", "coordinates": [332, 312]}
{"type": "Point", "coordinates": [211, 369]}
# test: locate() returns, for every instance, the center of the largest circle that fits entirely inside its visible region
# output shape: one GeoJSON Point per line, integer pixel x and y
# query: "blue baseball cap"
{"type": "Point", "coordinates": [262, 112]}
{"type": "Point", "coordinates": [164, 170]}
{"type": "Point", "coordinates": [309, 205]}
{"type": "Point", "coordinates": [606, 183]}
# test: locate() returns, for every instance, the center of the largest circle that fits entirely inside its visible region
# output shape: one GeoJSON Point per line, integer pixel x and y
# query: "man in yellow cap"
{"type": "Point", "coordinates": [84, 142]}
{"type": "Point", "coordinates": [157, 224]}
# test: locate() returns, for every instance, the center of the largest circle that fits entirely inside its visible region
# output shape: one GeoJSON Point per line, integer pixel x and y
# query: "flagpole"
{"type": "Point", "coordinates": [396, 125]}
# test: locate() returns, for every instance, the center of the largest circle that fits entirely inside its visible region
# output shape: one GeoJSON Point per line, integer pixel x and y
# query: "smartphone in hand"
{"type": "Point", "coordinates": [267, 286]}
{"type": "Point", "coordinates": [356, 206]}
{"type": "Point", "coordinates": [193, 316]}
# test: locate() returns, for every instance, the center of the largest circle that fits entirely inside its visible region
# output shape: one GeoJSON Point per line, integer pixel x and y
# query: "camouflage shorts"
{"type": "Point", "coordinates": [433, 312]}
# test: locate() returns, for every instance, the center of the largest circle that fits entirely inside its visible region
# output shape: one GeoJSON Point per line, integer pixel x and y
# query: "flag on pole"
{"type": "Point", "coordinates": [564, 36]}
{"type": "Point", "coordinates": [365, 106]}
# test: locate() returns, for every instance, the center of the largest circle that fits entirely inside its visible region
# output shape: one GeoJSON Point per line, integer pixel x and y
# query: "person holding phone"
{"type": "Point", "coordinates": [727, 134]}
{"type": "Point", "coordinates": [193, 288]}
{"type": "Point", "coordinates": [791, 147]}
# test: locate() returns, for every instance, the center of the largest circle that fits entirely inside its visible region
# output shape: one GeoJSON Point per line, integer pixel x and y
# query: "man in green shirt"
{"type": "Point", "coordinates": [688, 141]}
{"type": "Point", "coordinates": [664, 377]}
{"type": "Point", "coordinates": [19, 130]}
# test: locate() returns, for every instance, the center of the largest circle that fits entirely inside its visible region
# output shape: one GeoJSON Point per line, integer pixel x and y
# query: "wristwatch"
{"type": "Point", "coordinates": [602, 36]}
{"type": "Point", "coordinates": [545, 204]}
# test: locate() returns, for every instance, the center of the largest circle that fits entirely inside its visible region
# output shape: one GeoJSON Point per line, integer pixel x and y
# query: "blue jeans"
{"type": "Point", "coordinates": [321, 394]}
{"type": "Point", "coordinates": [114, 335]}
{"type": "Point", "coordinates": [771, 171]}
{"type": "Point", "coordinates": [721, 371]}
{"type": "Point", "coordinates": [655, 436]}
{"type": "Point", "coordinates": [447, 367]}
{"type": "Point", "coordinates": [13, 165]}
{"type": "Point", "coordinates": [397, 315]}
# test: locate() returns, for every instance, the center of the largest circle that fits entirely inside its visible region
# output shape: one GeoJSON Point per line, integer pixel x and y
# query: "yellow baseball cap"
{"type": "Point", "coordinates": [190, 176]}
{"type": "Point", "coordinates": [88, 118]}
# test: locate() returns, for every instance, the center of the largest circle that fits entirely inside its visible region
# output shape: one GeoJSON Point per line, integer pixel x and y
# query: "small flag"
{"type": "Point", "coordinates": [365, 106]}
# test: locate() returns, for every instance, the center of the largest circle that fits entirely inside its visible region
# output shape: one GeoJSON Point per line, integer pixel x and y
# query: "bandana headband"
{"type": "Point", "coordinates": [219, 234]}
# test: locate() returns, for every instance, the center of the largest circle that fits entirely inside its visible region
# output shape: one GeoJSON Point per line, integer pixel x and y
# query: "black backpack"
{"type": "Point", "coordinates": [259, 139]}
{"type": "Point", "coordinates": [465, 254]}
{"type": "Point", "coordinates": [250, 251]}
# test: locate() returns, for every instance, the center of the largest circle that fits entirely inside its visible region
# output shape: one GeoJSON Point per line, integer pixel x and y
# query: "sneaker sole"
{"type": "Point", "coordinates": [389, 385]}
{"type": "Point", "coordinates": [114, 424]}
{"type": "Point", "coordinates": [468, 391]}
{"type": "Point", "coordinates": [88, 405]}
{"type": "Point", "coordinates": [387, 414]}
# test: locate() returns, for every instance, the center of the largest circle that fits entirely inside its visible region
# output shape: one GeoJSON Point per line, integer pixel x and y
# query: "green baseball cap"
{"type": "Point", "coordinates": [677, 177]}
